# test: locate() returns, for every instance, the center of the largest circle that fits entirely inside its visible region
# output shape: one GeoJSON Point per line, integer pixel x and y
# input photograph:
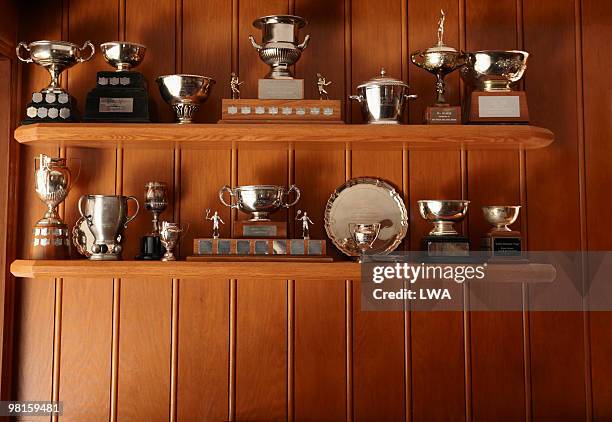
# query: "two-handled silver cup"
{"type": "Point", "coordinates": [259, 200]}
{"type": "Point", "coordinates": [364, 236]}
{"type": "Point", "coordinates": [170, 234]}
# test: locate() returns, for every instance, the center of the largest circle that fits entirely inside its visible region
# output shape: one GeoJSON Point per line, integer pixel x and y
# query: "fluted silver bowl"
{"type": "Point", "coordinates": [443, 214]}
{"type": "Point", "coordinates": [494, 70]}
{"type": "Point", "coordinates": [184, 93]}
{"type": "Point", "coordinates": [122, 55]}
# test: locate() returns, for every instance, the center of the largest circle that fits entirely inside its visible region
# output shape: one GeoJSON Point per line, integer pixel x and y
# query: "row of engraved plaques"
{"type": "Point", "coordinates": [300, 111]}
{"type": "Point", "coordinates": [44, 112]}
{"type": "Point", "coordinates": [261, 247]}
{"type": "Point", "coordinates": [113, 81]}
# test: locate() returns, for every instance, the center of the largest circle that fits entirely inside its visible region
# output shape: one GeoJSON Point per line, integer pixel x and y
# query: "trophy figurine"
{"type": "Point", "coordinates": [156, 201]}
{"type": "Point", "coordinates": [170, 234]}
{"type": "Point", "coordinates": [501, 241]}
{"type": "Point", "coordinates": [364, 236]}
{"type": "Point", "coordinates": [53, 180]}
{"type": "Point", "coordinates": [53, 104]}
{"type": "Point", "coordinates": [444, 240]}
{"type": "Point", "coordinates": [120, 95]}
{"type": "Point", "coordinates": [216, 219]}
{"type": "Point", "coordinates": [440, 60]}
{"type": "Point", "coordinates": [306, 221]}
{"type": "Point", "coordinates": [321, 84]}
{"type": "Point", "coordinates": [235, 86]}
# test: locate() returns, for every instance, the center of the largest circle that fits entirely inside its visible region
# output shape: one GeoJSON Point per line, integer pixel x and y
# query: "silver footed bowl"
{"type": "Point", "coordinates": [123, 56]}
{"type": "Point", "coordinates": [55, 57]}
{"type": "Point", "coordinates": [494, 70]}
{"type": "Point", "coordinates": [501, 216]}
{"type": "Point", "coordinates": [259, 200]}
{"type": "Point", "coordinates": [443, 214]}
{"type": "Point", "coordinates": [184, 93]}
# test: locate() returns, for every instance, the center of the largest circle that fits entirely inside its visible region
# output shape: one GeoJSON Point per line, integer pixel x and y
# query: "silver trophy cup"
{"type": "Point", "coordinates": [170, 234]}
{"type": "Point", "coordinates": [123, 56]}
{"type": "Point", "coordinates": [106, 217]}
{"type": "Point", "coordinates": [259, 200]}
{"type": "Point", "coordinates": [184, 93]}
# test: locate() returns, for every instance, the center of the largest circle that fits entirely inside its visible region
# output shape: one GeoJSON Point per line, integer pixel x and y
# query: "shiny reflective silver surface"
{"type": "Point", "coordinates": [366, 200]}
{"type": "Point", "coordinates": [106, 216]}
{"type": "Point", "coordinates": [382, 99]}
{"type": "Point", "coordinates": [169, 234]}
{"type": "Point", "coordinates": [501, 216]}
{"type": "Point", "coordinates": [184, 93]}
{"type": "Point", "coordinates": [52, 180]}
{"type": "Point", "coordinates": [259, 200]}
{"type": "Point", "coordinates": [156, 201]}
{"type": "Point", "coordinates": [279, 48]}
{"type": "Point", "coordinates": [55, 57]}
{"type": "Point", "coordinates": [494, 70]}
{"type": "Point", "coordinates": [123, 55]}
{"type": "Point", "coordinates": [443, 214]}
{"type": "Point", "coordinates": [364, 235]}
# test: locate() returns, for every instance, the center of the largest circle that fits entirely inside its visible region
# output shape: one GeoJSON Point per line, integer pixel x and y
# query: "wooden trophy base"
{"type": "Point", "coordinates": [260, 229]}
{"type": "Point", "coordinates": [498, 107]}
{"type": "Point", "coordinates": [443, 114]}
{"type": "Point", "coordinates": [280, 111]}
{"type": "Point", "coordinates": [255, 249]}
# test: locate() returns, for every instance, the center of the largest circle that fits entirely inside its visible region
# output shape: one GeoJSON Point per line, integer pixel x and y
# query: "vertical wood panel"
{"type": "Point", "coordinates": [203, 350]}
{"type": "Point", "coordinates": [261, 350]}
{"type": "Point", "coordinates": [557, 356]}
{"type": "Point", "coordinates": [144, 350]}
{"type": "Point", "coordinates": [85, 366]}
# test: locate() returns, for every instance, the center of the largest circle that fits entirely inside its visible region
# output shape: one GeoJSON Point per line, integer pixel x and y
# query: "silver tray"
{"type": "Point", "coordinates": [366, 200]}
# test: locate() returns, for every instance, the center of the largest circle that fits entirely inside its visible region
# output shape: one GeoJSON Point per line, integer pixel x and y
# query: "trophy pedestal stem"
{"type": "Point", "coordinates": [498, 107]}
{"type": "Point", "coordinates": [443, 114]}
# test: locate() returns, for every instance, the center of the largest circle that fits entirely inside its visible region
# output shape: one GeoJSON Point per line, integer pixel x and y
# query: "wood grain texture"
{"type": "Point", "coordinates": [144, 350]}
{"type": "Point", "coordinates": [261, 349]}
{"type": "Point", "coordinates": [203, 349]}
{"type": "Point", "coordinates": [85, 349]}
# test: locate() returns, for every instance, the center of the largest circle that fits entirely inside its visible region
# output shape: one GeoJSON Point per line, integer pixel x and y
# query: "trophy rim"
{"type": "Point", "coordinates": [123, 43]}
{"type": "Point", "coordinates": [525, 53]}
{"type": "Point", "coordinates": [254, 187]}
{"type": "Point", "coordinates": [298, 21]}
{"type": "Point", "coordinates": [47, 42]}
{"type": "Point", "coordinates": [160, 79]}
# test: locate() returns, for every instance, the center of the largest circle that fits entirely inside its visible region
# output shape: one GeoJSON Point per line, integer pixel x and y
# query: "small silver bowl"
{"type": "Point", "coordinates": [184, 93]}
{"type": "Point", "coordinates": [123, 56]}
{"type": "Point", "coordinates": [494, 70]}
{"type": "Point", "coordinates": [443, 214]}
{"type": "Point", "coordinates": [501, 216]}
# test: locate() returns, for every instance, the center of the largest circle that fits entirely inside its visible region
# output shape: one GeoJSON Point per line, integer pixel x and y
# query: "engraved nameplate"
{"type": "Point", "coordinates": [499, 106]}
{"type": "Point", "coordinates": [116, 105]}
{"type": "Point", "coordinates": [259, 231]}
{"type": "Point", "coordinates": [281, 89]}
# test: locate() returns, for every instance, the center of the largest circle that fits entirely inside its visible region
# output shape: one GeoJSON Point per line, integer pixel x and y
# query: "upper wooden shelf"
{"type": "Point", "coordinates": [340, 270]}
{"type": "Point", "coordinates": [283, 136]}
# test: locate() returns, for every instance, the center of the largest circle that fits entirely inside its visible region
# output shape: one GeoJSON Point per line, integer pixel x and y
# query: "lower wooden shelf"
{"type": "Point", "coordinates": [346, 270]}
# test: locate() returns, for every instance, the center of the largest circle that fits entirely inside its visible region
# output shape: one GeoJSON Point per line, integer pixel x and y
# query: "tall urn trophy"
{"type": "Point", "coordinates": [53, 104]}
{"type": "Point", "coordinates": [440, 60]}
{"type": "Point", "coordinates": [53, 181]}
{"type": "Point", "coordinates": [156, 201]}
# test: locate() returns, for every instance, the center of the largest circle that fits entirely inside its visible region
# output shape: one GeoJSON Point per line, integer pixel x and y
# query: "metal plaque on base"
{"type": "Point", "coordinates": [260, 229]}
{"type": "Point", "coordinates": [278, 111]}
{"type": "Point", "coordinates": [255, 247]}
{"type": "Point", "coordinates": [446, 246]}
{"type": "Point", "coordinates": [118, 97]}
{"type": "Point", "coordinates": [50, 107]}
{"type": "Point", "coordinates": [498, 107]}
{"type": "Point", "coordinates": [280, 89]}
{"type": "Point", "coordinates": [443, 115]}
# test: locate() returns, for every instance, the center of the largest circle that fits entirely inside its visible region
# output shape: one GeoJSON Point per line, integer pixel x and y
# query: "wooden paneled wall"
{"type": "Point", "coordinates": [248, 349]}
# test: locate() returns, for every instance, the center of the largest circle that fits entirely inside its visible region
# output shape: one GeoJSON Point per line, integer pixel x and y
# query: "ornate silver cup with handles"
{"type": "Point", "coordinates": [280, 49]}
{"type": "Point", "coordinates": [170, 234]}
{"type": "Point", "coordinates": [443, 214]}
{"type": "Point", "coordinates": [184, 93]}
{"type": "Point", "coordinates": [55, 57]}
{"type": "Point", "coordinates": [259, 200]}
{"type": "Point", "coordinates": [364, 236]}
{"type": "Point", "coordinates": [122, 55]}
{"type": "Point", "coordinates": [494, 70]}
{"type": "Point", "coordinates": [501, 216]}
{"type": "Point", "coordinates": [105, 216]}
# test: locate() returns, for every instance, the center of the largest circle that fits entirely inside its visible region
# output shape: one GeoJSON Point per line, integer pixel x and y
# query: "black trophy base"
{"type": "Point", "coordinates": [151, 249]}
{"type": "Point", "coordinates": [452, 248]}
{"type": "Point", "coordinates": [50, 107]}
{"type": "Point", "coordinates": [118, 97]}
{"type": "Point", "coordinates": [506, 245]}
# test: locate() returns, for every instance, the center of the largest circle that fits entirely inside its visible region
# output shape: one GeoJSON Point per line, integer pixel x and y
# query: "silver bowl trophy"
{"type": "Point", "coordinates": [501, 241]}
{"type": "Point", "coordinates": [184, 93]}
{"type": "Point", "coordinates": [280, 49]}
{"type": "Point", "coordinates": [53, 103]}
{"type": "Point", "coordinates": [170, 234]}
{"type": "Point", "coordinates": [53, 180]}
{"type": "Point", "coordinates": [444, 240]}
{"type": "Point", "coordinates": [120, 95]}
{"type": "Point", "coordinates": [491, 74]}
{"type": "Point", "coordinates": [155, 201]}
{"type": "Point", "coordinates": [364, 236]}
{"type": "Point", "coordinates": [440, 60]}
{"type": "Point", "coordinates": [383, 99]}
{"type": "Point", "coordinates": [98, 234]}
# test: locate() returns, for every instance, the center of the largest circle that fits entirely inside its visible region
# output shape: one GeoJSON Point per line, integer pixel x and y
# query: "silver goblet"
{"type": "Point", "coordinates": [123, 56]}
{"type": "Point", "coordinates": [364, 236]}
{"type": "Point", "coordinates": [169, 235]}
{"type": "Point", "coordinates": [185, 93]}
{"type": "Point", "coordinates": [156, 201]}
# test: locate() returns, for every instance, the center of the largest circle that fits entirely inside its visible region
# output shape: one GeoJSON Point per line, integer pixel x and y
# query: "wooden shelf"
{"type": "Point", "coordinates": [282, 136]}
{"type": "Point", "coordinates": [343, 270]}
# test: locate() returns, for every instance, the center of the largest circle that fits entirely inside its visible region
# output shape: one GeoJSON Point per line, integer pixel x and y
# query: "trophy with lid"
{"type": "Point", "coordinates": [120, 95]}
{"type": "Point", "coordinates": [53, 104]}
{"type": "Point", "coordinates": [440, 60]}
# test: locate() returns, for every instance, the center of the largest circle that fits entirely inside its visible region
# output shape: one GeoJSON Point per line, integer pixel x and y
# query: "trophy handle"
{"type": "Point", "coordinates": [133, 216]}
{"type": "Point", "coordinates": [411, 96]}
{"type": "Point", "coordinates": [80, 207]}
{"type": "Point", "coordinates": [93, 51]}
{"type": "Point", "coordinates": [254, 43]}
{"type": "Point", "coordinates": [358, 98]}
{"type": "Point", "coordinates": [227, 189]}
{"type": "Point", "coordinates": [304, 43]}
{"type": "Point", "coordinates": [413, 57]}
{"type": "Point", "coordinates": [297, 196]}
{"type": "Point", "coordinates": [23, 45]}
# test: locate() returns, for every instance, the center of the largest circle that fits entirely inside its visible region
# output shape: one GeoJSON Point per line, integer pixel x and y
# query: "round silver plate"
{"type": "Point", "coordinates": [366, 200]}
{"type": "Point", "coordinates": [82, 237]}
